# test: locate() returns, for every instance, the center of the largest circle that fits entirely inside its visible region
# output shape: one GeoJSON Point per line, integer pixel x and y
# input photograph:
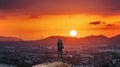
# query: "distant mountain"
{"type": "Point", "coordinates": [88, 41]}
{"type": "Point", "coordinates": [71, 41]}
{"type": "Point", "coordinates": [115, 40]}
{"type": "Point", "coordinates": [85, 41]}
{"type": "Point", "coordinates": [117, 37]}
{"type": "Point", "coordinates": [2, 38]}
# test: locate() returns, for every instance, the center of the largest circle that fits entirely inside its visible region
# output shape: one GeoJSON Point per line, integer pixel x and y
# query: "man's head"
{"type": "Point", "coordinates": [60, 40]}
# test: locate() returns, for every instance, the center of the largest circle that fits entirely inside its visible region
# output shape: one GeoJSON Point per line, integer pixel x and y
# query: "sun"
{"type": "Point", "coordinates": [73, 33]}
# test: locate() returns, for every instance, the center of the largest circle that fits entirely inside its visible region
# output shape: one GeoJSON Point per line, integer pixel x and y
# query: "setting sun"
{"type": "Point", "coordinates": [73, 33]}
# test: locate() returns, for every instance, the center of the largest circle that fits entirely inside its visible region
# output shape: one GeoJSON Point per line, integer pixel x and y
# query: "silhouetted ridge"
{"type": "Point", "coordinates": [93, 36]}
{"type": "Point", "coordinates": [2, 38]}
{"type": "Point", "coordinates": [116, 37]}
{"type": "Point", "coordinates": [70, 41]}
{"type": "Point", "coordinates": [73, 41]}
{"type": "Point", "coordinates": [115, 40]}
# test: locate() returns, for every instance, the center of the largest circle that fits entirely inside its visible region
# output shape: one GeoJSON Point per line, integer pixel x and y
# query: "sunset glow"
{"type": "Point", "coordinates": [73, 33]}
{"type": "Point", "coordinates": [59, 25]}
{"type": "Point", "coordinates": [31, 20]}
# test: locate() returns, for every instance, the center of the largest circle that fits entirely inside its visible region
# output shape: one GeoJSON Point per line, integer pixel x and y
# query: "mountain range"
{"type": "Point", "coordinates": [68, 41]}
{"type": "Point", "coordinates": [3, 38]}
{"type": "Point", "coordinates": [85, 41]}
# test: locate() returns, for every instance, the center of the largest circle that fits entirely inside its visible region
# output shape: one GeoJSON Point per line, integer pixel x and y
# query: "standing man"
{"type": "Point", "coordinates": [60, 47]}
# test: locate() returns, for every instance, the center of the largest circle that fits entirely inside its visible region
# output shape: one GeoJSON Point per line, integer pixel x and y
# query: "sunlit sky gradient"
{"type": "Point", "coordinates": [33, 19]}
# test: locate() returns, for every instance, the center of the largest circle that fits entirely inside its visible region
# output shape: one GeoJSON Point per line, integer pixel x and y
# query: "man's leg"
{"type": "Point", "coordinates": [61, 54]}
{"type": "Point", "coordinates": [58, 54]}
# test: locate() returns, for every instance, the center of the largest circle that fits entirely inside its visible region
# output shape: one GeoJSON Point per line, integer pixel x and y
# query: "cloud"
{"type": "Point", "coordinates": [97, 23]}
{"type": "Point", "coordinates": [102, 7]}
{"type": "Point", "coordinates": [54, 64]}
{"type": "Point", "coordinates": [109, 27]}
{"type": "Point", "coordinates": [118, 22]}
{"type": "Point", "coordinates": [33, 16]}
{"type": "Point", "coordinates": [104, 25]}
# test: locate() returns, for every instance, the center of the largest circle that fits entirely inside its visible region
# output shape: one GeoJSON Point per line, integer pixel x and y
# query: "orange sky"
{"type": "Point", "coordinates": [34, 19]}
{"type": "Point", "coordinates": [58, 25]}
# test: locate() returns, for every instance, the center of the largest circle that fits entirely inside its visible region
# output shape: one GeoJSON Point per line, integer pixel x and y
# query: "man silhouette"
{"type": "Point", "coordinates": [60, 47]}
